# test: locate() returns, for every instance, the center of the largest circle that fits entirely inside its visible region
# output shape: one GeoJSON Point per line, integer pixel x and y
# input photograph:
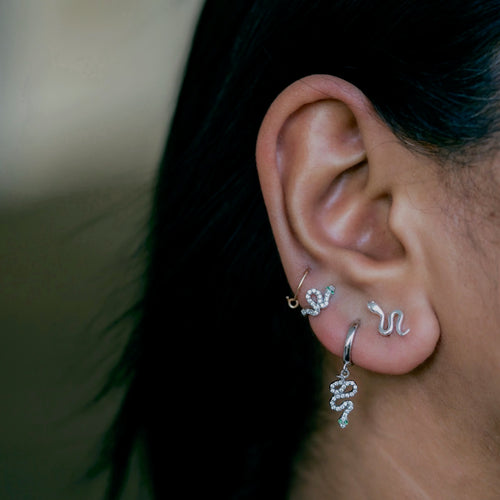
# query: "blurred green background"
{"type": "Point", "coordinates": [87, 88]}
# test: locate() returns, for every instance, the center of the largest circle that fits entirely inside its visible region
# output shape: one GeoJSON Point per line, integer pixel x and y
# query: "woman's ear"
{"type": "Point", "coordinates": [338, 189]}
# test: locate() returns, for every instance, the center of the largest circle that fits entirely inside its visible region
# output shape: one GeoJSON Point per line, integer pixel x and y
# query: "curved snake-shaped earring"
{"type": "Point", "coordinates": [376, 309]}
{"type": "Point", "coordinates": [338, 388]}
{"type": "Point", "coordinates": [321, 301]}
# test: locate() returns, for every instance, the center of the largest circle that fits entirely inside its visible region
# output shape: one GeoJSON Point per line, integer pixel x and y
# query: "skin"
{"type": "Point", "coordinates": [392, 226]}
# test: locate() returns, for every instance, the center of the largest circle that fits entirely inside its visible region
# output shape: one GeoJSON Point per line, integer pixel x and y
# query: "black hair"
{"type": "Point", "coordinates": [222, 378]}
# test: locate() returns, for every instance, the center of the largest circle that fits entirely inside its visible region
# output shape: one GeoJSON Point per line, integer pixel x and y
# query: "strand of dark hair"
{"type": "Point", "coordinates": [223, 380]}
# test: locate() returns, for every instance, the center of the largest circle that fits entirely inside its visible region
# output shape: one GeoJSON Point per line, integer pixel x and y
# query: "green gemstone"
{"type": "Point", "coordinates": [343, 422]}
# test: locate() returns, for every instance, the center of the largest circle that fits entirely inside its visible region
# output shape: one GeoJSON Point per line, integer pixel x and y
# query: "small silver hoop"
{"type": "Point", "coordinates": [347, 357]}
{"type": "Point", "coordinates": [342, 389]}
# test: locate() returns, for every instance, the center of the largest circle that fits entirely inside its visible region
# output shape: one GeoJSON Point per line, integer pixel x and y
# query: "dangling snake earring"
{"type": "Point", "coordinates": [339, 387]}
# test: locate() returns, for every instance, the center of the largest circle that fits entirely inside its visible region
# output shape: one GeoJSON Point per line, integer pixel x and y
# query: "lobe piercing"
{"type": "Point", "coordinates": [376, 309]}
{"type": "Point", "coordinates": [338, 387]}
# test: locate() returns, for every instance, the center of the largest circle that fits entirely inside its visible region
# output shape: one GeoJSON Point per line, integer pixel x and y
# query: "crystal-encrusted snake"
{"type": "Point", "coordinates": [338, 389]}
{"type": "Point", "coordinates": [321, 300]}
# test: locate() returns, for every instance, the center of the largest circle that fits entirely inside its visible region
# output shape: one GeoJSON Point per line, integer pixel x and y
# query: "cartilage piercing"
{"type": "Point", "coordinates": [321, 301]}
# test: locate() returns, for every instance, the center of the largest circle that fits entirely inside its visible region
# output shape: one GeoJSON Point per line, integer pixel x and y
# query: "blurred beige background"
{"type": "Point", "coordinates": [87, 88]}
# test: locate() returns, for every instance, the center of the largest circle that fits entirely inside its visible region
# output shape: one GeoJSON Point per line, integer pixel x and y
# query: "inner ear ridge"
{"type": "Point", "coordinates": [353, 221]}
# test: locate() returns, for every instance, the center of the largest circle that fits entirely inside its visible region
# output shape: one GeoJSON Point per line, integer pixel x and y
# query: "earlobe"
{"type": "Point", "coordinates": [326, 167]}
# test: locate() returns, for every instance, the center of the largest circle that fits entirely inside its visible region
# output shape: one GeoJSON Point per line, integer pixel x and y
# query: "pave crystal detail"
{"type": "Point", "coordinates": [321, 301]}
{"type": "Point", "coordinates": [338, 389]}
{"type": "Point", "coordinates": [343, 422]}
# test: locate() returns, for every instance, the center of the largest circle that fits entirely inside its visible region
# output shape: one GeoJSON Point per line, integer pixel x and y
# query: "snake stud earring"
{"type": "Point", "coordinates": [314, 298]}
{"type": "Point", "coordinates": [338, 388]}
{"type": "Point", "coordinates": [376, 309]}
{"type": "Point", "coordinates": [321, 301]}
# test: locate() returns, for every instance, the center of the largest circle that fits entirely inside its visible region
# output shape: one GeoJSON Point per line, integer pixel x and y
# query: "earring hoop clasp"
{"type": "Point", "coordinates": [347, 356]}
{"type": "Point", "coordinates": [293, 302]}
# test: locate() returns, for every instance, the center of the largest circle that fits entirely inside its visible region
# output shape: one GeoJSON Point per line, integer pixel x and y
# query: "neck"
{"type": "Point", "coordinates": [417, 436]}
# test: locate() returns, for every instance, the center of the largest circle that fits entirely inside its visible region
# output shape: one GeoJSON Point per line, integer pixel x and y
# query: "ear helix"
{"type": "Point", "coordinates": [338, 387]}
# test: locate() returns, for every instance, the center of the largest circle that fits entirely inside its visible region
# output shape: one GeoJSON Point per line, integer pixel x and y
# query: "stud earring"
{"type": "Point", "coordinates": [376, 309]}
{"type": "Point", "coordinates": [321, 301]}
{"type": "Point", "coordinates": [338, 388]}
{"type": "Point", "coordinates": [314, 297]}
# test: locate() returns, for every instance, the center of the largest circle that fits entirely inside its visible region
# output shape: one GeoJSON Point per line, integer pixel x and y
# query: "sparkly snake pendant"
{"type": "Point", "coordinates": [376, 309]}
{"type": "Point", "coordinates": [321, 301]}
{"type": "Point", "coordinates": [338, 389]}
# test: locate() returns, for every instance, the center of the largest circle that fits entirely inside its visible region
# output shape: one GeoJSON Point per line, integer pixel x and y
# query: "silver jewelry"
{"type": "Point", "coordinates": [321, 301]}
{"type": "Point", "coordinates": [339, 387]}
{"type": "Point", "coordinates": [376, 309]}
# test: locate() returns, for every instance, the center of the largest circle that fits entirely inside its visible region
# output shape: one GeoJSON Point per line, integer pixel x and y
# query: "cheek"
{"type": "Point", "coordinates": [463, 276]}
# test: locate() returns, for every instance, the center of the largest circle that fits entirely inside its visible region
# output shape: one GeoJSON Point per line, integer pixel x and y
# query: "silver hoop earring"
{"type": "Point", "coordinates": [321, 301]}
{"type": "Point", "coordinates": [339, 387]}
{"type": "Point", "coordinates": [376, 309]}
